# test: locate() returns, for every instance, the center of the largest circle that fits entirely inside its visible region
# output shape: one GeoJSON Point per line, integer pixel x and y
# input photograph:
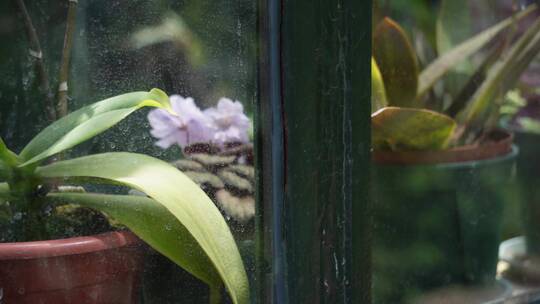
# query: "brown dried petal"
{"type": "Point", "coordinates": [242, 209]}
{"type": "Point", "coordinates": [205, 178]}
{"type": "Point", "coordinates": [243, 170]}
{"type": "Point", "coordinates": [205, 148]}
{"type": "Point", "coordinates": [236, 181]}
{"type": "Point", "coordinates": [188, 165]}
{"type": "Point", "coordinates": [212, 160]}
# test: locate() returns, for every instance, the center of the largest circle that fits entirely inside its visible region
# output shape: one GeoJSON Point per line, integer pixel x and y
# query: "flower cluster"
{"type": "Point", "coordinates": [225, 123]}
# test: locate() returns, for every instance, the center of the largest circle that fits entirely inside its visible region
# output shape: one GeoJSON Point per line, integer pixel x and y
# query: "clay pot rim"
{"type": "Point", "coordinates": [500, 144]}
{"type": "Point", "coordinates": [68, 246]}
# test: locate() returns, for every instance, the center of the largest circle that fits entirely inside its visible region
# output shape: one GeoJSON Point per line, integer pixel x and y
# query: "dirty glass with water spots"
{"type": "Point", "coordinates": [59, 56]}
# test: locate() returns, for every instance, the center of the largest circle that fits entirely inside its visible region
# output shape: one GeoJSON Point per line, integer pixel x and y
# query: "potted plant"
{"type": "Point", "coordinates": [440, 164]}
{"type": "Point", "coordinates": [176, 218]}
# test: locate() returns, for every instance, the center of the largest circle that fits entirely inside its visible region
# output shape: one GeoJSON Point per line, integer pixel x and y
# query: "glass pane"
{"type": "Point", "coordinates": [188, 193]}
{"type": "Point", "coordinates": [454, 194]}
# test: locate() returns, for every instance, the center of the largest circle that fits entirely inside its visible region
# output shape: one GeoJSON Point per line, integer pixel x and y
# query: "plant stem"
{"type": "Point", "coordinates": [34, 226]}
{"type": "Point", "coordinates": [35, 51]}
{"type": "Point", "coordinates": [62, 106]}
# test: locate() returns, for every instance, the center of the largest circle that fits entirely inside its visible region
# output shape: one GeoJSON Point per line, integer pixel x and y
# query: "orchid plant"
{"type": "Point", "coordinates": [217, 151]}
{"type": "Point", "coordinates": [176, 217]}
{"type": "Point", "coordinates": [411, 108]}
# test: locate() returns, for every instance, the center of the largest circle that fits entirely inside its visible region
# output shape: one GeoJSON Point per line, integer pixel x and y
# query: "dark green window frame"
{"type": "Point", "coordinates": [313, 139]}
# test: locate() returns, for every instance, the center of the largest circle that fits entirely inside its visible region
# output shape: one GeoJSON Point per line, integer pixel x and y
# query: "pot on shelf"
{"type": "Point", "coordinates": [438, 216]}
{"type": "Point", "coordinates": [97, 269]}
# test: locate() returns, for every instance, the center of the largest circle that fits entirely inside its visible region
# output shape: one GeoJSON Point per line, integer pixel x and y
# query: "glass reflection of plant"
{"type": "Point", "coordinates": [411, 113]}
{"type": "Point", "coordinates": [177, 218]}
{"type": "Point", "coordinates": [217, 149]}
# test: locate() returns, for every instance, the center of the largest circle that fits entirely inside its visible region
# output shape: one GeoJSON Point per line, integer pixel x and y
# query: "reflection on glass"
{"type": "Point", "coordinates": [450, 81]}
{"type": "Point", "coordinates": [192, 205]}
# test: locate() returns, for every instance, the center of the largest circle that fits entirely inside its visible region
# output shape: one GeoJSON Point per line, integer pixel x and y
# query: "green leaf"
{"type": "Point", "coordinates": [154, 224]}
{"type": "Point", "coordinates": [7, 157]}
{"type": "Point", "coordinates": [83, 132]}
{"type": "Point", "coordinates": [460, 100]}
{"type": "Point", "coordinates": [410, 129]}
{"type": "Point", "coordinates": [178, 194]}
{"type": "Point", "coordinates": [499, 80]}
{"type": "Point", "coordinates": [4, 190]}
{"type": "Point", "coordinates": [378, 96]}
{"type": "Point", "coordinates": [438, 68]}
{"type": "Point", "coordinates": [397, 63]}
{"type": "Point", "coordinates": [89, 121]}
{"type": "Point", "coordinates": [453, 27]}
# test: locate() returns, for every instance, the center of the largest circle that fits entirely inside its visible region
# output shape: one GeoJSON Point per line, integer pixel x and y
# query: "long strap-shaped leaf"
{"type": "Point", "coordinates": [435, 70]}
{"type": "Point", "coordinates": [176, 192]}
{"type": "Point", "coordinates": [141, 215]}
{"type": "Point", "coordinates": [500, 78]}
{"type": "Point", "coordinates": [460, 101]}
{"type": "Point", "coordinates": [46, 143]}
{"type": "Point", "coordinates": [86, 130]}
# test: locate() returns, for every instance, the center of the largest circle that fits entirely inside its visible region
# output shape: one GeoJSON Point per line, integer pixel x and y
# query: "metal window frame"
{"type": "Point", "coordinates": [313, 136]}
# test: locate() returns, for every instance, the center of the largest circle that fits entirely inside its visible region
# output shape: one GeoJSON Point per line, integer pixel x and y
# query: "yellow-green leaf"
{"type": "Point", "coordinates": [438, 68]}
{"type": "Point", "coordinates": [178, 194]}
{"type": "Point", "coordinates": [500, 78]}
{"type": "Point", "coordinates": [87, 122]}
{"type": "Point", "coordinates": [378, 95]}
{"type": "Point", "coordinates": [7, 157]}
{"type": "Point", "coordinates": [397, 63]}
{"type": "Point", "coordinates": [410, 129]}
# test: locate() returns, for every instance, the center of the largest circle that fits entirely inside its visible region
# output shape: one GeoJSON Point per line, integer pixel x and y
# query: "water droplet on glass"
{"type": "Point", "coordinates": [21, 290]}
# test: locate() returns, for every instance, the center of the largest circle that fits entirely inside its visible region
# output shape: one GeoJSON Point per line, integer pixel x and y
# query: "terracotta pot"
{"type": "Point", "coordinates": [96, 269]}
{"type": "Point", "coordinates": [497, 143]}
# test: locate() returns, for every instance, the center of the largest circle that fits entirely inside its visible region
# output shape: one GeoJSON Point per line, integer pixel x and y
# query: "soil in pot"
{"type": "Point", "coordinates": [437, 224]}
